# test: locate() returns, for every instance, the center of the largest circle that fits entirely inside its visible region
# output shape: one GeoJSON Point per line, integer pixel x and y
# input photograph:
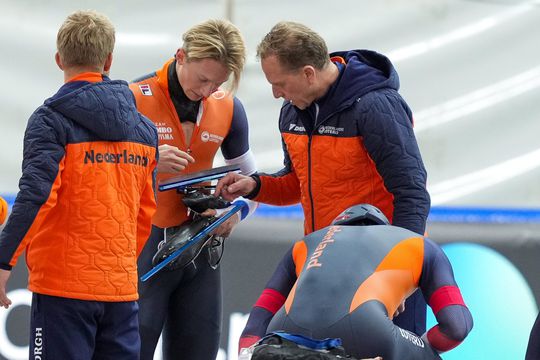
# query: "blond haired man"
{"type": "Point", "coordinates": [85, 203]}
{"type": "Point", "coordinates": [194, 118]}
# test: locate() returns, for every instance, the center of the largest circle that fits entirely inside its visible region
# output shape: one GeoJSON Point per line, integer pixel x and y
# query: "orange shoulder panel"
{"type": "Point", "coordinates": [400, 271]}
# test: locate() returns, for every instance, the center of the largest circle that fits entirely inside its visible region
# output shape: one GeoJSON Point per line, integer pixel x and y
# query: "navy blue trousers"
{"type": "Point", "coordinates": [62, 328]}
{"type": "Point", "coordinates": [185, 304]}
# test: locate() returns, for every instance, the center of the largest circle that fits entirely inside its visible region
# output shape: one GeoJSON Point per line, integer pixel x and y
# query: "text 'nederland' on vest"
{"type": "Point", "coordinates": [115, 158]}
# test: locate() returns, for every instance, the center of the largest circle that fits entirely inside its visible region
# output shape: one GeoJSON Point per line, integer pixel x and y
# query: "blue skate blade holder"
{"type": "Point", "coordinates": [182, 181]}
{"type": "Point", "coordinates": [201, 235]}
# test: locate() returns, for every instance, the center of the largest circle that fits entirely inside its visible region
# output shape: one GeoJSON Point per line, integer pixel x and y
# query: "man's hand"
{"type": "Point", "coordinates": [225, 229]}
{"type": "Point", "coordinates": [234, 185]}
{"type": "Point", "coordinates": [172, 160]}
{"type": "Point", "coordinates": [4, 276]}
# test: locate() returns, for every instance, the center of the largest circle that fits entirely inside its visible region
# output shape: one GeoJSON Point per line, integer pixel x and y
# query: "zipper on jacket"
{"type": "Point", "coordinates": [310, 137]}
{"type": "Point", "coordinates": [196, 128]}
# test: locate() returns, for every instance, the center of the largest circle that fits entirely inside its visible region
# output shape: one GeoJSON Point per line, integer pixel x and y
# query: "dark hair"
{"type": "Point", "coordinates": [295, 45]}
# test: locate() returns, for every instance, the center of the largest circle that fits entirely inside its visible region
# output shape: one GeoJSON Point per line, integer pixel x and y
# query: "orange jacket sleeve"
{"type": "Point", "coordinates": [279, 190]}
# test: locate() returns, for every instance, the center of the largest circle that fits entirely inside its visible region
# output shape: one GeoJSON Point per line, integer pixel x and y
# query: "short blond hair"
{"type": "Point", "coordinates": [219, 40]}
{"type": "Point", "coordinates": [294, 45]}
{"type": "Point", "coordinates": [85, 39]}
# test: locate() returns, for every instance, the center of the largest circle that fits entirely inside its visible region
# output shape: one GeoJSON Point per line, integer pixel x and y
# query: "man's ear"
{"type": "Point", "coordinates": [108, 63]}
{"type": "Point", "coordinates": [58, 61]}
{"type": "Point", "coordinates": [180, 56]}
{"type": "Point", "coordinates": [309, 73]}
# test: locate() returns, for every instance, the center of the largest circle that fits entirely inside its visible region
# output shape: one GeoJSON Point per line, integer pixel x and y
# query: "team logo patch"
{"type": "Point", "coordinates": [294, 127]}
{"type": "Point", "coordinates": [206, 136]}
{"type": "Point", "coordinates": [330, 130]}
{"type": "Point", "coordinates": [145, 89]}
{"type": "Point", "coordinates": [165, 132]}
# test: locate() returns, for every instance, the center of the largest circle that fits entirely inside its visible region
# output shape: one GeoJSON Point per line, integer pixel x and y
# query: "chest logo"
{"type": "Point", "coordinates": [294, 127]}
{"type": "Point", "coordinates": [164, 132]}
{"type": "Point", "coordinates": [145, 89]}
{"type": "Point", "coordinates": [206, 137]}
{"type": "Point", "coordinates": [330, 130]}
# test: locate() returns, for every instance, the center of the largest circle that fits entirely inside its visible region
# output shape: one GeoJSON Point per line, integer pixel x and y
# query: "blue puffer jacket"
{"type": "Point", "coordinates": [359, 147]}
{"type": "Point", "coordinates": [86, 195]}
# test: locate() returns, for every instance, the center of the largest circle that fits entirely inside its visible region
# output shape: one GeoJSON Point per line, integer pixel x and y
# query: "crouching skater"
{"type": "Point", "coordinates": [347, 280]}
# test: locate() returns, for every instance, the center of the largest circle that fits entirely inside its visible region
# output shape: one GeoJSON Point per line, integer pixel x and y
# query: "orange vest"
{"type": "Point", "coordinates": [153, 100]}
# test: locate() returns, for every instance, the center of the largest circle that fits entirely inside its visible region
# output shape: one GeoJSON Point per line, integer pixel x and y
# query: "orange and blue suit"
{"type": "Point", "coordinates": [347, 282]}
